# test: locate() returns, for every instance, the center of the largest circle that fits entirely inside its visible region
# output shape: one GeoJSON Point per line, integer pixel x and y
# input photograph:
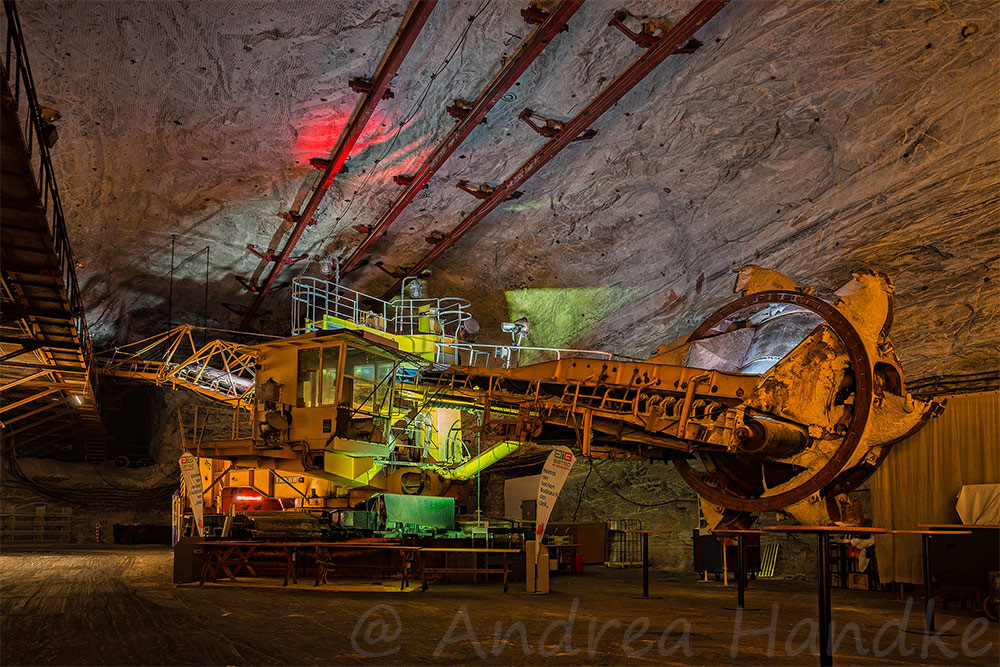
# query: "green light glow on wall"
{"type": "Point", "coordinates": [527, 206]}
{"type": "Point", "coordinates": [560, 317]}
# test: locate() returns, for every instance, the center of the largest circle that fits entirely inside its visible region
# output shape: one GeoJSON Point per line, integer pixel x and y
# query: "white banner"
{"type": "Point", "coordinates": [554, 474]}
{"type": "Point", "coordinates": [195, 494]}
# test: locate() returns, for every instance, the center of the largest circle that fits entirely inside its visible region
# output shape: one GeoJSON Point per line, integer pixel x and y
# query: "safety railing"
{"type": "Point", "coordinates": [36, 131]}
{"type": "Point", "coordinates": [506, 356]}
{"type": "Point", "coordinates": [316, 303]}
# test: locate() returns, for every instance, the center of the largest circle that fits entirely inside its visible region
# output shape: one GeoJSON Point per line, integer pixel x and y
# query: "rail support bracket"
{"type": "Point", "coordinates": [534, 14]}
{"type": "Point", "coordinates": [397, 273]}
{"type": "Point", "coordinates": [550, 127]}
{"type": "Point", "coordinates": [295, 217]}
{"type": "Point", "coordinates": [407, 180]}
{"type": "Point", "coordinates": [460, 108]}
{"type": "Point", "coordinates": [484, 190]}
{"type": "Point", "coordinates": [324, 163]}
{"type": "Point", "coordinates": [362, 84]}
{"type": "Point", "coordinates": [647, 37]}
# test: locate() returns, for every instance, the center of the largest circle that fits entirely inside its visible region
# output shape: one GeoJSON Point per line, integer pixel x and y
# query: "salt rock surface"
{"type": "Point", "coordinates": [811, 137]}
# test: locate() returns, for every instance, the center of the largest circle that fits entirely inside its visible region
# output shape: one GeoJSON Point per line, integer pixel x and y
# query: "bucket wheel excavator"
{"type": "Point", "coordinates": [780, 400]}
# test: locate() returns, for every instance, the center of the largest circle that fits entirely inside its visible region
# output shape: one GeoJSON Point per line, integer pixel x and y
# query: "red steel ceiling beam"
{"type": "Point", "coordinates": [527, 52]}
{"type": "Point", "coordinates": [413, 22]}
{"type": "Point", "coordinates": [671, 41]}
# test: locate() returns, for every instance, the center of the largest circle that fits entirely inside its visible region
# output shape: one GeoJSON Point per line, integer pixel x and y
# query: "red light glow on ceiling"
{"type": "Point", "coordinates": [318, 134]}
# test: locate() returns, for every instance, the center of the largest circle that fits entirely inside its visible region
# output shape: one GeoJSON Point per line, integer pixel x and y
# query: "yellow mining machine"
{"type": "Point", "coordinates": [780, 400]}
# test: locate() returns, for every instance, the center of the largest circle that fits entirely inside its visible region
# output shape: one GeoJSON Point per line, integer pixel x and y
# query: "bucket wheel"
{"type": "Point", "coordinates": [740, 482]}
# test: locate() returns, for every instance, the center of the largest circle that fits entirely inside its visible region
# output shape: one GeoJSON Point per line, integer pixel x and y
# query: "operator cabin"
{"type": "Point", "coordinates": [466, 319]}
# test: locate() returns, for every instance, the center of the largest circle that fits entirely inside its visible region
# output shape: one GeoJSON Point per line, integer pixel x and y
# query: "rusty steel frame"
{"type": "Point", "coordinates": [527, 53]}
{"type": "Point", "coordinates": [412, 24]}
{"type": "Point", "coordinates": [671, 41]}
{"type": "Point", "coordinates": [863, 397]}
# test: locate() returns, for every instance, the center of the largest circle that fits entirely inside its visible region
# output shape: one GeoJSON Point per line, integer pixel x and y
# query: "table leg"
{"type": "Point", "coordinates": [319, 566]}
{"type": "Point", "coordinates": [645, 571]}
{"type": "Point", "coordinates": [741, 571]}
{"type": "Point", "coordinates": [741, 576]}
{"type": "Point", "coordinates": [207, 551]}
{"type": "Point", "coordinates": [645, 565]}
{"type": "Point", "coordinates": [505, 572]}
{"type": "Point", "coordinates": [224, 562]}
{"type": "Point", "coordinates": [290, 569]}
{"type": "Point", "coordinates": [823, 590]}
{"type": "Point", "coordinates": [423, 572]}
{"type": "Point", "coordinates": [246, 561]}
{"type": "Point", "coordinates": [928, 593]}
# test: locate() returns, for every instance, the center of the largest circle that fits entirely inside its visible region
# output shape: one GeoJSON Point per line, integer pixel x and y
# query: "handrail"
{"type": "Point", "coordinates": [33, 133]}
{"type": "Point", "coordinates": [486, 356]}
{"type": "Point", "coordinates": [315, 299]}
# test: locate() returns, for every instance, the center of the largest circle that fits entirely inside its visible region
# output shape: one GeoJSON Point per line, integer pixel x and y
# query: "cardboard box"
{"type": "Point", "coordinates": [857, 581]}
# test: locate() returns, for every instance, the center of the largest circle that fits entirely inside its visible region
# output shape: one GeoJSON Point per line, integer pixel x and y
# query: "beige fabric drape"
{"type": "Point", "coordinates": [922, 475]}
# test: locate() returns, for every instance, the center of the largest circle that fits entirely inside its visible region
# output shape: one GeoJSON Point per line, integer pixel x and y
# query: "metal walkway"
{"type": "Point", "coordinates": [47, 399]}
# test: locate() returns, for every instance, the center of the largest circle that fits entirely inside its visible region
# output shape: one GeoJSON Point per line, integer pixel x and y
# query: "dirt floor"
{"type": "Point", "coordinates": [116, 605]}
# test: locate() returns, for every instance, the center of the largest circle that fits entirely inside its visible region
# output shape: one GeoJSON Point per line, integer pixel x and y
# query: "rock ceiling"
{"type": "Point", "coordinates": [811, 137]}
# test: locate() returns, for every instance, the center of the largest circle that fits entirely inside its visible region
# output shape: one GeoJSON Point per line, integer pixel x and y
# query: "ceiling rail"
{"type": "Point", "coordinates": [411, 26]}
{"type": "Point", "coordinates": [470, 117]}
{"type": "Point", "coordinates": [669, 43]}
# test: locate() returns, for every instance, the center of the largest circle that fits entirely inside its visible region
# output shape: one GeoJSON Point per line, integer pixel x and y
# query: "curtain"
{"type": "Point", "coordinates": [920, 479]}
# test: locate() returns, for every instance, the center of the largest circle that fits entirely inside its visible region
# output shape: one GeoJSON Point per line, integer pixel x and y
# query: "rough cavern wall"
{"type": "Point", "coordinates": [813, 137]}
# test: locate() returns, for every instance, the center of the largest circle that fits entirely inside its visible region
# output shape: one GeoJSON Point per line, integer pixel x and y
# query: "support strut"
{"type": "Point", "coordinates": [376, 88]}
{"type": "Point", "coordinates": [668, 44]}
{"type": "Point", "coordinates": [527, 52]}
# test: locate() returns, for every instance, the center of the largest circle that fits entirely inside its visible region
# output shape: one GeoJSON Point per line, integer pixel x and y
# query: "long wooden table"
{"type": "Point", "coordinates": [465, 570]}
{"type": "Point", "coordinates": [233, 556]}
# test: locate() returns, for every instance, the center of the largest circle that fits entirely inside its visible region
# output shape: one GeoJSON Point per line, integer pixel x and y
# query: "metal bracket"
{"type": "Point", "coordinates": [362, 84]}
{"type": "Point", "coordinates": [362, 229]}
{"type": "Point", "coordinates": [647, 36]}
{"type": "Point", "coordinates": [392, 273]}
{"type": "Point", "coordinates": [460, 108]}
{"type": "Point", "coordinates": [484, 190]}
{"type": "Point", "coordinates": [294, 218]}
{"type": "Point", "coordinates": [407, 180]}
{"type": "Point", "coordinates": [534, 14]}
{"type": "Point", "coordinates": [550, 127]}
{"type": "Point", "coordinates": [324, 163]}
{"type": "Point", "coordinates": [270, 256]}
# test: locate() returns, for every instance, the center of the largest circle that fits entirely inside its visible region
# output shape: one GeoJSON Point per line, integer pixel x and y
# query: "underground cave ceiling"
{"type": "Point", "coordinates": [811, 137]}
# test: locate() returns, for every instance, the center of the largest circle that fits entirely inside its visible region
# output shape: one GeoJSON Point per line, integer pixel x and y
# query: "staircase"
{"type": "Point", "coordinates": [48, 402]}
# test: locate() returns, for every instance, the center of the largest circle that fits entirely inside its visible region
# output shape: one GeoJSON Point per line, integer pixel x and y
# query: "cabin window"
{"type": "Point", "coordinates": [317, 381]}
{"type": "Point", "coordinates": [366, 383]}
{"type": "Point", "coordinates": [328, 390]}
{"type": "Point", "coordinates": [308, 383]}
